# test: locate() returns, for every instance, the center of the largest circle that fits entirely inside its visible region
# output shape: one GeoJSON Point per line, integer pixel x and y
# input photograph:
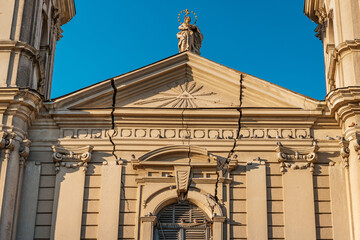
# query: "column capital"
{"type": "Point", "coordinates": [71, 157]}
{"type": "Point", "coordinates": [297, 157]}
{"type": "Point", "coordinates": [7, 140]}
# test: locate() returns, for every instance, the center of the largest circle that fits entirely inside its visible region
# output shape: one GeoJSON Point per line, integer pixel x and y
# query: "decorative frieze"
{"type": "Point", "coordinates": [71, 158]}
{"type": "Point", "coordinates": [195, 133]}
{"type": "Point", "coordinates": [297, 158]}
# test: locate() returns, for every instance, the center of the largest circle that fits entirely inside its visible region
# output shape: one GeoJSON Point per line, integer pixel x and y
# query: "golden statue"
{"type": "Point", "coordinates": [190, 37]}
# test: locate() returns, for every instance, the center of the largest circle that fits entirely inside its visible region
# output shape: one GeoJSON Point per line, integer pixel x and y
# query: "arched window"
{"type": "Point", "coordinates": [182, 221]}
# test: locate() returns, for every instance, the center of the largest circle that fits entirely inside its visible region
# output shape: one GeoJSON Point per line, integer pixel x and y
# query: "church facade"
{"type": "Point", "coordinates": [183, 148]}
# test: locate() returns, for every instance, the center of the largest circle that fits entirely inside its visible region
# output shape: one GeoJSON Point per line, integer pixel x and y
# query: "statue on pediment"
{"type": "Point", "coordinates": [190, 37]}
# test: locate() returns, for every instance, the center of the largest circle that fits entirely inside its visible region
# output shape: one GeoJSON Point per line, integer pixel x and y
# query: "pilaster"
{"type": "Point", "coordinates": [17, 109]}
{"type": "Point", "coordinates": [70, 168]}
{"type": "Point", "coordinates": [147, 227]}
{"type": "Point", "coordinates": [344, 105]}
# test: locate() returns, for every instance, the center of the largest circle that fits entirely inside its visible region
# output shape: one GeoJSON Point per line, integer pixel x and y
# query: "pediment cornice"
{"type": "Point", "coordinates": [219, 88]}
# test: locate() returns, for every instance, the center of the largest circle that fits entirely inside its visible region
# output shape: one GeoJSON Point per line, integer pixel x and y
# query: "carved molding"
{"type": "Point", "coordinates": [195, 133]}
{"type": "Point", "coordinates": [297, 158]}
{"type": "Point", "coordinates": [71, 157]}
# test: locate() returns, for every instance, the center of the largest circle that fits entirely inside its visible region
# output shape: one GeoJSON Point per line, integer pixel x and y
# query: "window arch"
{"type": "Point", "coordinates": [182, 221]}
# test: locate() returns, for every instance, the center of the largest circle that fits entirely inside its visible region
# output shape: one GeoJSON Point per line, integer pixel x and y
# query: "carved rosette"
{"type": "Point", "coordinates": [297, 158]}
{"type": "Point", "coordinates": [71, 158]}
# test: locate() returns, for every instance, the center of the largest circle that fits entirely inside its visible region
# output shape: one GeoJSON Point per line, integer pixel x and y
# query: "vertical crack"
{"type": "Point", "coordinates": [186, 136]}
{"type": "Point", "coordinates": [111, 134]}
{"type": "Point", "coordinates": [224, 166]}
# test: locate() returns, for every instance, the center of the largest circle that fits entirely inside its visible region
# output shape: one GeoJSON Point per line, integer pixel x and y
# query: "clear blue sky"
{"type": "Point", "coordinates": [272, 40]}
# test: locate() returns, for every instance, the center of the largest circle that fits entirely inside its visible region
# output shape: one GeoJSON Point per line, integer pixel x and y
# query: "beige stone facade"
{"type": "Point", "coordinates": [184, 148]}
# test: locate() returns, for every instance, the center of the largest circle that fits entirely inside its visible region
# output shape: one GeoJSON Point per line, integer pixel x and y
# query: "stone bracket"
{"type": "Point", "coordinates": [182, 175]}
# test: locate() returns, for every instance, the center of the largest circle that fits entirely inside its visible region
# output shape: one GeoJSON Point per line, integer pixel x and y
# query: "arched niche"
{"type": "Point", "coordinates": [211, 208]}
{"type": "Point", "coordinates": [206, 203]}
{"type": "Point", "coordinates": [169, 174]}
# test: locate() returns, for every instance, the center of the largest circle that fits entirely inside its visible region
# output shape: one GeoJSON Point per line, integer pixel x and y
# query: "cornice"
{"type": "Point", "coordinates": [220, 112]}
{"type": "Point", "coordinates": [67, 10]}
{"type": "Point", "coordinates": [347, 98]}
{"type": "Point", "coordinates": [103, 87]}
{"type": "Point", "coordinates": [144, 82]}
{"type": "Point", "coordinates": [310, 8]}
{"type": "Point", "coordinates": [348, 45]}
{"type": "Point", "coordinates": [22, 103]}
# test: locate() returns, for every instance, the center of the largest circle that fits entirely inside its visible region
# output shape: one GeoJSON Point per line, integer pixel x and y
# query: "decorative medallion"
{"type": "Point", "coordinates": [181, 96]}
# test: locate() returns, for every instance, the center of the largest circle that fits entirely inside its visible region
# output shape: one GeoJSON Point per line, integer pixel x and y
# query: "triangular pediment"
{"type": "Point", "coordinates": [185, 80]}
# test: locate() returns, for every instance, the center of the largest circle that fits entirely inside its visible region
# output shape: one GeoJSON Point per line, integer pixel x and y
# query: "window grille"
{"type": "Point", "coordinates": [182, 221]}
